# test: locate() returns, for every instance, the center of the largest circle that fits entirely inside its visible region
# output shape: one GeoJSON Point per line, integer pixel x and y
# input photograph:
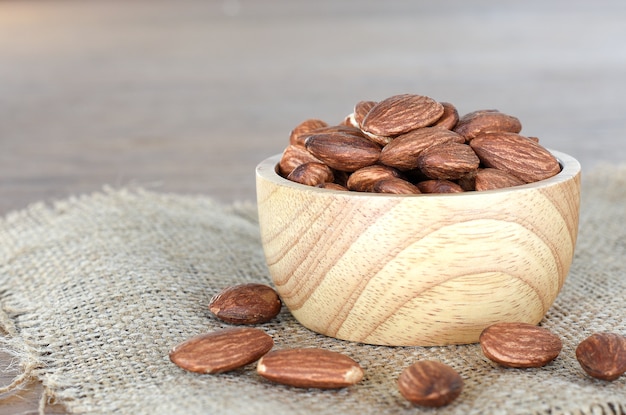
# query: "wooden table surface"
{"type": "Point", "coordinates": [189, 96]}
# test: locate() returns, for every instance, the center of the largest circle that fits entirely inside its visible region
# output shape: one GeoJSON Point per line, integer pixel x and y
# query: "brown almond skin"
{"type": "Point", "coordinates": [430, 383]}
{"type": "Point", "coordinates": [477, 122]}
{"type": "Point", "coordinates": [361, 109]}
{"type": "Point", "coordinates": [519, 345]}
{"type": "Point", "coordinates": [439, 186]}
{"type": "Point", "coordinates": [448, 161]}
{"type": "Point", "coordinates": [378, 139]}
{"type": "Point", "coordinates": [400, 114]}
{"type": "Point", "coordinates": [395, 186]}
{"type": "Point", "coordinates": [491, 179]}
{"type": "Point", "coordinates": [343, 129]}
{"type": "Point", "coordinates": [311, 174]}
{"type": "Point", "coordinates": [246, 304]}
{"type": "Point", "coordinates": [331, 186]}
{"type": "Point", "coordinates": [310, 368]}
{"type": "Point", "coordinates": [305, 129]}
{"type": "Point", "coordinates": [363, 179]}
{"type": "Point", "coordinates": [523, 158]}
{"type": "Point", "coordinates": [450, 117]}
{"type": "Point", "coordinates": [292, 157]}
{"type": "Point", "coordinates": [343, 152]}
{"type": "Point", "coordinates": [221, 351]}
{"type": "Point", "coordinates": [603, 355]}
{"type": "Point", "coordinates": [348, 120]}
{"type": "Point", "coordinates": [403, 151]}
{"type": "Point", "coordinates": [467, 182]}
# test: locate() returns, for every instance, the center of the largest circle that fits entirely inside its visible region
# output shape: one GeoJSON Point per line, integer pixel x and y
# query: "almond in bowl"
{"type": "Point", "coordinates": [410, 268]}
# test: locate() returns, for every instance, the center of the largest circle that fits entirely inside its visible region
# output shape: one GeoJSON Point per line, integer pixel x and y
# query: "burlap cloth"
{"type": "Point", "coordinates": [95, 290]}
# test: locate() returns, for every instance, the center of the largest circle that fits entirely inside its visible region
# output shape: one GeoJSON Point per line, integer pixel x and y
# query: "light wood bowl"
{"type": "Point", "coordinates": [421, 269]}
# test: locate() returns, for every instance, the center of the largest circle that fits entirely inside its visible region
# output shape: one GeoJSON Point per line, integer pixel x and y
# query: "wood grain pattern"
{"type": "Point", "coordinates": [418, 270]}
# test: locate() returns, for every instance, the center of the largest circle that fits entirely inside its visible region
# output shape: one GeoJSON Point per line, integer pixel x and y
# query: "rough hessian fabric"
{"type": "Point", "coordinates": [95, 290]}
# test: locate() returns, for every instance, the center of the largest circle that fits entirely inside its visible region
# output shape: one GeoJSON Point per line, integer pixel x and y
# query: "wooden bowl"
{"type": "Point", "coordinates": [422, 270]}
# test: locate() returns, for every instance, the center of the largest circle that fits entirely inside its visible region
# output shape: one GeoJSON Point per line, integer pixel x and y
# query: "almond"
{"type": "Point", "coordinates": [468, 182]}
{"type": "Point", "coordinates": [439, 186]}
{"type": "Point", "coordinates": [519, 344]}
{"type": "Point", "coordinates": [378, 139]}
{"type": "Point", "coordinates": [305, 129]}
{"type": "Point", "coordinates": [400, 114]}
{"type": "Point", "coordinates": [490, 179]}
{"type": "Point", "coordinates": [343, 129]}
{"type": "Point", "coordinates": [430, 383]}
{"type": "Point", "coordinates": [362, 180]}
{"type": "Point", "coordinates": [343, 151]}
{"type": "Point", "coordinates": [221, 351]}
{"type": "Point", "coordinates": [331, 186]}
{"type": "Point", "coordinates": [395, 186]}
{"type": "Point", "coordinates": [250, 303]}
{"type": "Point", "coordinates": [310, 368]}
{"type": "Point", "coordinates": [356, 131]}
{"type": "Point", "coordinates": [403, 152]}
{"type": "Point", "coordinates": [348, 120]}
{"type": "Point", "coordinates": [603, 355]}
{"type": "Point", "coordinates": [482, 121]}
{"type": "Point", "coordinates": [293, 156]}
{"type": "Point", "coordinates": [450, 117]}
{"type": "Point", "coordinates": [311, 174]}
{"type": "Point", "coordinates": [448, 161]}
{"type": "Point", "coordinates": [361, 109]}
{"type": "Point", "coordinates": [517, 155]}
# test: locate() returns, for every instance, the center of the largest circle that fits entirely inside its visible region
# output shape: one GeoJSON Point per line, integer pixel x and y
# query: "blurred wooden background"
{"type": "Point", "coordinates": [188, 96]}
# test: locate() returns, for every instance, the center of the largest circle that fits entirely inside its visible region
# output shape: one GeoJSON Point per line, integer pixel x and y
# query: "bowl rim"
{"type": "Point", "coordinates": [570, 167]}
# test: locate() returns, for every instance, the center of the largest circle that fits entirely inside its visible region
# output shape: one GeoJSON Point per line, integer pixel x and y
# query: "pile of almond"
{"type": "Point", "coordinates": [409, 144]}
{"type": "Point", "coordinates": [424, 383]}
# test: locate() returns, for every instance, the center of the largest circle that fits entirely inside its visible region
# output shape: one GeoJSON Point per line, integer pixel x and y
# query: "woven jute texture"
{"type": "Point", "coordinates": [95, 290]}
